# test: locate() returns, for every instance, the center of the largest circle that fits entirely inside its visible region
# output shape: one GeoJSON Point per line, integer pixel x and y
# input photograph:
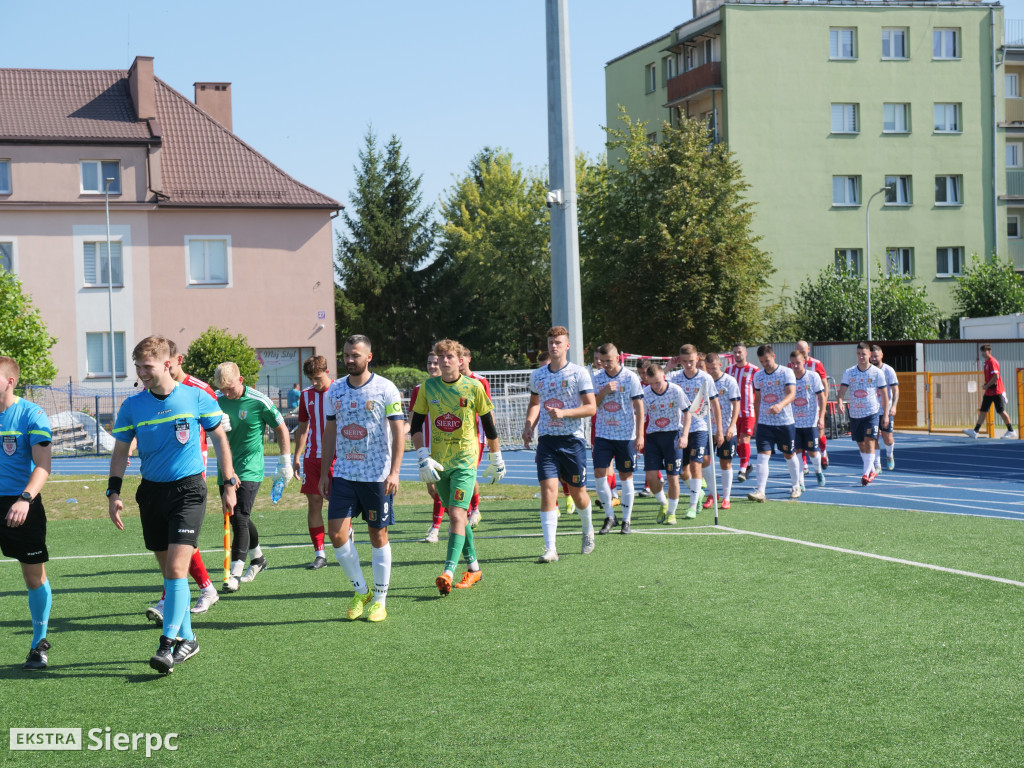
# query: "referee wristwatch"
{"type": "Point", "coordinates": [232, 481]}
{"type": "Point", "coordinates": [26, 496]}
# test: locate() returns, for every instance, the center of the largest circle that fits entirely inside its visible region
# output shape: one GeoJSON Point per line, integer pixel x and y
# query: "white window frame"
{"type": "Point", "coordinates": [949, 254]}
{"type": "Point", "coordinates": [98, 246]}
{"type": "Point", "coordinates": [892, 33]}
{"type": "Point", "coordinates": [944, 38]}
{"type": "Point", "coordinates": [1012, 85]}
{"type": "Point", "coordinates": [651, 77]}
{"type": "Point", "coordinates": [189, 282]}
{"type": "Point", "coordinates": [851, 257]}
{"type": "Point", "coordinates": [12, 243]}
{"type": "Point", "coordinates": [898, 191]}
{"type": "Point", "coordinates": [856, 185]}
{"type": "Point", "coordinates": [1014, 154]}
{"type": "Point", "coordinates": [115, 188]}
{"type": "Point", "coordinates": [953, 183]}
{"type": "Point", "coordinates": [835, 43]}
{"type": "Point", "coordinates": [5, 188]}
{"type": "Point", "coordinates": [1013, 226]}
{"type": "Point", "coordinates": [957, 117]}
{"type": "Point", "coordinates": [840, 114]}
{"type": "Point", "coordinates": [671, 67]}
{"type": "Point", "coordinates": [898, 109]}
{"type": "Point", "coordinates": [119, 340]}
{"type": "Point", "coordinates": [899, 260]}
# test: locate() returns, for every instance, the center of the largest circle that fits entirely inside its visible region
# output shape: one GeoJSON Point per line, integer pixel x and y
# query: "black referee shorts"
{"type": "Point", "coordinates": [172, 513]}
{"type": "Point", "coordinates": [27, 542]}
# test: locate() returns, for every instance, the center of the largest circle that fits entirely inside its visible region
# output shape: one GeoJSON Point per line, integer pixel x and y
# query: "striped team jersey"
{"type": "Point", "coordinates": [452, 408]}
{"type": "Point", "coordinates": [560, 389]}
{"type": "Point", "coordinates": [805, 404]}
{"type": "Point", "coordinates": [744, 375]}
{"type": "Point", "coordinates": [487, 390]}
{"type": "Point", "coordinates": [666, 410]}
{"type": "Point", "coordinates": [248, 414]}
{"type": "Point", "coordinates": [363, 442]}
{"type": "Point", "coordinates": [691, 387]}
{"type": "Point", "coordinates": [311, 411]}
{"type": "Point", "coordinates": [192, 381]}
{"type": "Point", "coordinates": [772, 387]}
{"type": "Point", "coordinates": [22, 425]}
{"type": "Point", "coordinates": [615, 417]}
{"type": "Point", "coordinates": [728, 397]}
{"type": "Point", "coordinates": [891, 379]}
{"type": "Point", "coordinates": [863, 390]}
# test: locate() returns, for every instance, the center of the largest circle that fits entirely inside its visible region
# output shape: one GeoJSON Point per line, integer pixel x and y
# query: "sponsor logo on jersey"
{"type": "Point", "coordinates": [460, 495]}
{"type": "Point", "coordinates": [353, 432]}
{"type": "Point", "coordinates": [612, 405]}
{"type": "Point", "coordinates": [860, 393]}
{"type": "Point", "coordinates": [447, 422]}
{"type": "Point", "coordinates": [182, 430]}
{"type": "Point", "coordinates": [800, 402]}
{"type": "Point", "coordinates": [554, 402]}
{"type": "Point", "coordinates": [662, 422]}
{"type": "Point", "coordinates": [242, 414]}
{"type": "Point", "coordinates": [10, 444]}
{"type": "Point", "coordinates": [186, 530]}
{"type": "Point", "coordinates": [772, 398]}
{"type": "Point", "coordinates": [355, 457]}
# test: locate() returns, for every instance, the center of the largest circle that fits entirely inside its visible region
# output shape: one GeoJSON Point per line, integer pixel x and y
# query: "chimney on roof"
{"type": "Point", "coordinates": [215, 100]}
{"type": "Point", "coordinates": [143, 87]}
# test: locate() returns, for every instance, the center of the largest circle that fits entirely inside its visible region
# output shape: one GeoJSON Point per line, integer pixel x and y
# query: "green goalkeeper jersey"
{"type": "Point", "coordinates": [248, 415]}
{"type": "Point", "coordinates": [452, 410]}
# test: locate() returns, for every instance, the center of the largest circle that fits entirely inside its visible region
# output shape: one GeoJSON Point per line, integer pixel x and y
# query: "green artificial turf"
{"type": "Point", "coordinates": [679, 646]}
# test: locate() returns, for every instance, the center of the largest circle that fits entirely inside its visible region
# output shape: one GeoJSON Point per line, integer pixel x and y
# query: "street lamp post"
{"type": "Point", "coordinates": [867, 250]}
{"type": "Point", "coordinates": [110, 303]}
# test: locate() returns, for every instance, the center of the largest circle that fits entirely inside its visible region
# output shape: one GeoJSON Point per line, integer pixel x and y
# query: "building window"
{"type": "Point", "coordinates": [842, 43]}
{"type": "Point", "coordinates": [900, 261]}
{"type": "Point", "coordinates": [5, 177]}
{"type": "Point", "coordinates": [1013, 86]}
{"type": "Point", "coordinates": [651, 77]}
{"type": "Point", "coordinates": [845, 190]}
{"type": "Point", "coordinates": [96, 172]}
{"type": "Point", "coordinates": [652, 138]}
{"type": "Point", "coordinates": [949, 261]}
{"type": "Point", "coordinates": [946, 43]}
{"type": "Point", "coordinates": [207, 261]}
{"type": "Point", "coordinates": [848, 259]}
{"type": "Point", "coordinates": [671, 66]}
{"type": "Point", "coordinates": [894, 42]}
{"type": "Point", "coordinates": [896, 118]}
{"type": "Point", "coordinates": [1013, 154]}
{"type": "Point", "coordinates": [7, 257]}
{"type": "Point", "coordinates": [95, 260]}
{"type": "Point", "coordinates": [897, 190]}
{"type": "Point", "coordinates": [845, 118]}
{"type": "Point", "coordinates": [948, 190]}
{"type": "Point", "coordinates": [1013, 226]}
{"type": "Point", "coordinates": [97, 349]}
{"type": "Point", "coordinates": [947, 118]}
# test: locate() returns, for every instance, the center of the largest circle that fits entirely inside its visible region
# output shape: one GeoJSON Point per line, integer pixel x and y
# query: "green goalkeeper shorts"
{"type": "Point", "coordinates": [455, 487]}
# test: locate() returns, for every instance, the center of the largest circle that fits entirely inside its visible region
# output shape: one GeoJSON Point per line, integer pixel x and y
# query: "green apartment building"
{"type": "Point", "coordinates": [826, 104]}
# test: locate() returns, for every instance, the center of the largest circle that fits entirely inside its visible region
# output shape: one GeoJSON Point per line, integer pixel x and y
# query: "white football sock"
{"type": "Point", "coordinates": [673, 505]}
{"type": "Point", "coordinates": [727, 483]}
{"type": "Point", "coordinates": [795, 464]}
{"type": "Point", "coordinates": [661, 497]}
{"type": "Point", "coordinates": [236, 567]}
{"type": "Point", "coordinates": [255, 553]}
{"type": "Point", "coordinates": [348, 559]}
{"type": "Point", "coordinates": [816, 462]}
{"type": "Point", "coordinates": [604, 493]}
{"type": "Point", "coordinates": [868, 460]}
{"type": "Point", "coordinates": [586, 518]}
{"type": "Point", "coordinates": [380, 561]}
{"type": "Point", "coordinates": [549, 526]}
{"type": "Point", "coordinates": [320, 553]}
{"type": "Point", "coordinates": [628, 492]}
{"type": "Point", "coordinates": [762, 471]}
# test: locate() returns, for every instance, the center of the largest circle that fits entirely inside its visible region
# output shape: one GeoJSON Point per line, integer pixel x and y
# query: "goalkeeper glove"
{"type": "Point", "coordinates": [284, 467]}
{"type": "Point", "coordinates": [430, 470]}
{"type": "Point", "coordinates": [496, 469]}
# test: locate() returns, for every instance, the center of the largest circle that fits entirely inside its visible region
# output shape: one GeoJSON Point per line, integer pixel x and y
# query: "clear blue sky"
{"type": "Point", "coordinates": [309, 77]}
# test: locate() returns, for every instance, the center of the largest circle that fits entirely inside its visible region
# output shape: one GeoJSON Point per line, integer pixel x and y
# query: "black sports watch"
{"type": "Point", "coordinates": [231, 481]}
{"type": "Point", "coordinates": [26, 496]}
{"type": "Point", "coordinates": [110, 491]}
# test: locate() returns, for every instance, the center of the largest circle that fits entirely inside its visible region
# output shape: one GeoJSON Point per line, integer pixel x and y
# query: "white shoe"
{"type": "Point", "coordinates": [155, 612]}
{"type": "Point", "coordinates": [474, 520]}
{"type": "Point", "coordinates": [587, 544]}
{"type": "Point", "coordinates": [549, 556]}
{"type": "Point", "coordinates": [254, 569]}
{"type": "Point", "coordinates": [231, 585]}
{"type": "Point", "coordinates": [756, 496]}
{"type": "Point", "coordinates": [1010, 435]}
{"type": "Point", "coordinates": [431, 537]}
{"type": "Point", "coordinates": [795, 492]}
{"type": "Point", "coordinates": [206, 599]}
{"type": "Point", "coordinates": [971, 433]}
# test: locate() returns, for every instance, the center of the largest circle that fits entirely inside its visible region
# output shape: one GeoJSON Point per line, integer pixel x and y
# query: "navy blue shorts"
{"type": "Point", "coordinates": [661, 452]}
{"type": "Point", "coordinates": [782, 436]}
{"type": "Point", "coordinates": [562, 457]}
{"type": "Point", "coordinates": [887, 427]}
{"type": "Point", "coordinates": [727, 450]}
{"type": "Point", "coordinates": [623, 451]}
{"type": "Point", "coordinates": [351, 498]}
{"type": "Point", "coordinates": [807, 439]}
{"type": "Point", "coordinates": [864, 429]}
{"type": "Point", "coordinates": [696, 448]}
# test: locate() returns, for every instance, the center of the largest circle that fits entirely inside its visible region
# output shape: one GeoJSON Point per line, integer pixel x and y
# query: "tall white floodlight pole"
{"type": "Point", "coordinates": [110, 305]}
{"type": "Point", "coordinates": [566, 305]}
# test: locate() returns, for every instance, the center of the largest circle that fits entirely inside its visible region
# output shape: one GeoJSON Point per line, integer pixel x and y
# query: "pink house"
{"type": "Point", "coordinates": [204, 230]}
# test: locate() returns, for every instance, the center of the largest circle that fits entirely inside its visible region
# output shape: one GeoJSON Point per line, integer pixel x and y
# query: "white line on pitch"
{"type": "Point", "coordinates": [884, 558]}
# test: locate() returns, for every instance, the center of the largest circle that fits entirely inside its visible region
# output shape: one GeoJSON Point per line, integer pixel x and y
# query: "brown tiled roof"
{"type": "Point", "coordinates": [203, 163]}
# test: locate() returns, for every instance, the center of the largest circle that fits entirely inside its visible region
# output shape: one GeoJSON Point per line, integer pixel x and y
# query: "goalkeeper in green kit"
{"type": "Point", "coordinates": [453, 402]}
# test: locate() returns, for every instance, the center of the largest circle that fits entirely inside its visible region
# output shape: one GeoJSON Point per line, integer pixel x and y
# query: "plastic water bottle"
{"type": "Point", "coordinates": [277, 491]}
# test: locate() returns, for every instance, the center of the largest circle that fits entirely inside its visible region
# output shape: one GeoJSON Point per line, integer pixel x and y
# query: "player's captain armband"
{"type": "Point", "coordinates": [394, 409]}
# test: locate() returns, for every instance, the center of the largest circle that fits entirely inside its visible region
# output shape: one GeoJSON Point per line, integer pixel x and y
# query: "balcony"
{"type": "Point", "coordinates": [1016, 249]}
{"type": "Point", "coordinates": [698, 79]}
{"type": "Point", "coordinates": [1015, 183]}
{"type": "Point", "coordinates": [1014, 113]}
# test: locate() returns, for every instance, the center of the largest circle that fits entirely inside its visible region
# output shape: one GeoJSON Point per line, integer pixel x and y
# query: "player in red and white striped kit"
{"type": "Point", "coordinates": [438, 512]}
{"type": "Point", "coordinates": [744, 372]}
{"type": "Point", "coordinates": [308, 442]}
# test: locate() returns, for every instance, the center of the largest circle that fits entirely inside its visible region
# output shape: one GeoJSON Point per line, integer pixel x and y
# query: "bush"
{"type": "Point", "coordinates": [215, 346]}
{"type": "Point", "coordinates": [404, 378]}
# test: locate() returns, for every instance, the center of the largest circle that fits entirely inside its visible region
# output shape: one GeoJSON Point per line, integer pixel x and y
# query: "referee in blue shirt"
{"type": "Point", "coordinates": [165, 419]}
{"type": "Point", "coordinates": [24, 466]}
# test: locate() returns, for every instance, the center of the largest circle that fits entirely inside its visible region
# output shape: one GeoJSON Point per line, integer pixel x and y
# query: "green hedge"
{"type": "Point", "coordinates": [404, 378]}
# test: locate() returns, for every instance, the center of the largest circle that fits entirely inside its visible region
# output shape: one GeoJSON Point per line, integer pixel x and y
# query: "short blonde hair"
{"type": "Point", "coordinates": [225, 373]}
{"type": "Point", "coordinates": [153, 347]}
{"type": "Point", "coordinates": [9, 368]}
{"type": "Point", "coordinates": [447, 346]}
